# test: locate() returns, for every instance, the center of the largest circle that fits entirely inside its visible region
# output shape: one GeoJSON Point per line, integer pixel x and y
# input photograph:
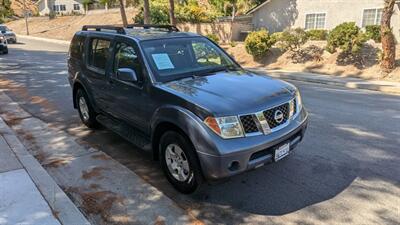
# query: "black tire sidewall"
{"type": "Point", "coordinates": [191, 184]}
{"type": "Point", "coordinates": [91, 122]}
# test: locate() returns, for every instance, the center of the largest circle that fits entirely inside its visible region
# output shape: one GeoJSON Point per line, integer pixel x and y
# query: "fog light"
{"type": "Point", "coordinates": [234, 165]}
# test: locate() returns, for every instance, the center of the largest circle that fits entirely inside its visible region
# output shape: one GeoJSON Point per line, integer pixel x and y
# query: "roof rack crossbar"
{"type": "Point", "coordinates": [170, 28]}
{"type": "Point", "coordinates": [119, 30]}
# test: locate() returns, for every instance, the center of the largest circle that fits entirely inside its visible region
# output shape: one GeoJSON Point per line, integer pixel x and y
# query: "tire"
{"type": "Point", "coordinates": [86, 113]}
{"type": "Point", "coordinates": [176, 142]}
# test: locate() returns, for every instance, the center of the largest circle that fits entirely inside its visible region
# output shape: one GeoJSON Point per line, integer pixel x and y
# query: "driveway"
{"type": "Point", "coordinates": [345, 172]}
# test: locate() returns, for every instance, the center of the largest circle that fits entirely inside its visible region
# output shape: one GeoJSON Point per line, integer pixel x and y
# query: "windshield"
{"type": "Point", "coordinates": [183, 57]}
{"type": "Point", "coordinates": [3, 28]}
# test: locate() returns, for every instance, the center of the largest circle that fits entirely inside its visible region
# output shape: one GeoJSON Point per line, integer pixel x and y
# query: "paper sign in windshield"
{"type": "Point", "coordinates": [163, 62]}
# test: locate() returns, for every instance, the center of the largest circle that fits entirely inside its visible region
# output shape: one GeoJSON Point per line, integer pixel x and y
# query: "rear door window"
{"type": "Point", "coordinates": [99, 53]}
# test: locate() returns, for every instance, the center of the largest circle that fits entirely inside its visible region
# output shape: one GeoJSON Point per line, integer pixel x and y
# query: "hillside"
{"type": "Point", "coordinates": [64, 27]}
{"type": "Point", "coordinates": [18, 7]}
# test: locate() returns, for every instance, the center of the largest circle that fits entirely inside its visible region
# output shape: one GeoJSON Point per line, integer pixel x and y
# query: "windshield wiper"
{"type": "Point", "coordinates": [218, 69]}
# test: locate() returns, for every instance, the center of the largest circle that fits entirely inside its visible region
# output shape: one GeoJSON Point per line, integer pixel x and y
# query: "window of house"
{"type": "Point", "coordinates": [126, 57]}
{"type": "Point", "coordinates": [315, 21]}
{"type": "Point", "coordinates": [372, 17]}
{"type": "Point", "coordinates": [56, 8]}
{"type": "Point", "coordinates": [77, 7]}
{"type": "Point", "coordinates": [98, 53]}
{"type": "Point", "coordinates": [63, 8]}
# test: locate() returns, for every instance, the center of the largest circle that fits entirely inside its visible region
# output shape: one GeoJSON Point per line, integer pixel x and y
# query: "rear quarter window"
{"type": "Point", "coordinates": [76, 48]}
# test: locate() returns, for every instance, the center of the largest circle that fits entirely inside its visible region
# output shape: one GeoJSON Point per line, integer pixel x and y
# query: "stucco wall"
{"type": "Point", "coordinates": [221, 29]}
{"type": "Point", "coordinates": [280, 14]}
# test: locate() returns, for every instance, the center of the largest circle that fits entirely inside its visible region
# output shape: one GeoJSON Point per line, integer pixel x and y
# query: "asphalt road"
{"type": "Point", "coordinates": [346, 171]}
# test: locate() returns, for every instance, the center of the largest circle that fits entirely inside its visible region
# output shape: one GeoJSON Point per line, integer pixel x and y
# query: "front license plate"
{"type": "Point", "coordinates": [282, 152]}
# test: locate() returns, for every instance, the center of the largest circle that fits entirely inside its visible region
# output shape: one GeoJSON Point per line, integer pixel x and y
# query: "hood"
{"type": "Point", "coordinates": [232, 93]}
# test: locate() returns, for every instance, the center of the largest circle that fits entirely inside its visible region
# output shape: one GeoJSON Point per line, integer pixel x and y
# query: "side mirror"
{"type": "Point", "coordinates": [127, 75]}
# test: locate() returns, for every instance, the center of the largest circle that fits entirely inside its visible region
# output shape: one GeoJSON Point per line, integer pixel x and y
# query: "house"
{"type": "Point", "coordinates": [276, 15]}
{"type": "Point", "coordinates": [60, 6]}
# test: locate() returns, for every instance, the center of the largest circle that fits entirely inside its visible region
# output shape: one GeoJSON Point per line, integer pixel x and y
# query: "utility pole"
{"type": "Point", "coordinates": [26, 18]}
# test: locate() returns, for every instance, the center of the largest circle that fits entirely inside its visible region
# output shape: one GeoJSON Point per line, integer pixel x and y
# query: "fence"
{"type": "Point", "coordinates": [221, 29]}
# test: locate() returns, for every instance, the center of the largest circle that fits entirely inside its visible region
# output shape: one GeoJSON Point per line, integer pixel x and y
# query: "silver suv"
{"type": "Point", "coordinates": [9, 34]}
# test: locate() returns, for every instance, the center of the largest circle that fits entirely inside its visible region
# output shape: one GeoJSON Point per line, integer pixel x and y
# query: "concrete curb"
{"type": "Point", "coordinates": [67, 213]}
{"type": "Point", "coordinates": [44, 39]}
{"type": "Point", "coordinates": [354, 83]}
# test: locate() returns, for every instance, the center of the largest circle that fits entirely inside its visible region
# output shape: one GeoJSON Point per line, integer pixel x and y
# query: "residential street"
{"type": "Point", "coordinates": [346, 171]}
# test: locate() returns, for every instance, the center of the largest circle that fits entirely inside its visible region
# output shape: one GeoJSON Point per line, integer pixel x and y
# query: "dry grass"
{"type": "Point", "coordinates": [64, 27]}
{"type": "Point", "coordinates": [367, 68]}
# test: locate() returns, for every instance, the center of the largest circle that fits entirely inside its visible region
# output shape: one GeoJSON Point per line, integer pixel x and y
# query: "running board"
{"type": "Point", "coordinates": [127, 132]}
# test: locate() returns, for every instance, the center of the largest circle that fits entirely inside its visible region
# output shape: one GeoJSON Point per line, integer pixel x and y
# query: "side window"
{"type": "Point", "coordinates": [205, 55]}
{"type": "Point", "coordinates": [76, 48]}
{"type": "Point", "coordinates": [98, 53]}
{"type": "Point", "coordinates": [126, 57]}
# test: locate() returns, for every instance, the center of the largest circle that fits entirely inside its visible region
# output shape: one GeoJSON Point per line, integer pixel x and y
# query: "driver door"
{"type": "Point", "coordinates": [129, 97]}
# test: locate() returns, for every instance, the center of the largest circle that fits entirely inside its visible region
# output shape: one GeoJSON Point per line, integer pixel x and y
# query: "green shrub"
{"type": "Point", "coordinates": [258, 43]}
{"type": "Point", "coordinates": [1, 20]}
{"type": "Point", "coordinates": [275, 37]}
{"type": "Point", "coordinates": [292, 39]}
{"type": "Point", "coordinates": [213, 37]}
{"type": "Point", "coordinates": [347, 37]}
{"type": "Point", "coordinates": [158, 12]}
{"type": "Point", "coordinates": [194, 13]}
{"type": "Point", "coordinates": [373, 32]}
{"type": "Point", "coordinates": [233, 44]}
{"type": "Point", "coordinates": [52, 15]}
{"type": "Point", "coordinates": [317, 35]}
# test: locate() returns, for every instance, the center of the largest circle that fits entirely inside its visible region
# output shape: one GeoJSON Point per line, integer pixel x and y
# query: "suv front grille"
{"type": "Point", "coordinates": [248, 123]}
{"type": "Point", "coordinates": [270, 115]}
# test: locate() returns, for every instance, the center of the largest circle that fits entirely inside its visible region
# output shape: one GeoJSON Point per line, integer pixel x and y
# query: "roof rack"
{"type": "Point", "coordinates": [170, 28]}
{"type": "Point", "coordinates": [118, 29]}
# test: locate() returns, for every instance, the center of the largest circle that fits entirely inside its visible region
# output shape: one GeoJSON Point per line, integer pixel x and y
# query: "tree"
{"type": "Point", "coordinates": [123, 13]}
{"type": "Point", "coordinates": [146, 12]}
{"type": "Point", "coordinates": [388, 44]}
{"type": "Point", "coordinates": [172, 12]}
{"type": "Point", "coordinates": [86, 4]}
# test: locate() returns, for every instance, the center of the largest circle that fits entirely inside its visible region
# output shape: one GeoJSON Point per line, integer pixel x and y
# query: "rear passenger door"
{"type": "Point", "coordinates": [129, 97]}
{"type": "Point", "coordinates": [97, 64]}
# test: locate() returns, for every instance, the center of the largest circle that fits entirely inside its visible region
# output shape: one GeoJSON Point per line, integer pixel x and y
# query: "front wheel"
{"type": "Point", "coordinates": [85, 109]}
{"type": "Point", "coordinates": [179, 162]}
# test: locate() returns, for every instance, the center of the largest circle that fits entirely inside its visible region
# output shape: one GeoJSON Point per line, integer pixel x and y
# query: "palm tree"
{"type": "Point", "coordinates": [123, 13]}
{"type": "Point", "coordinates": [146, 11]}
{"type": "Point", "coordinates": [388, 44]}
{"type": "Point", "coordinates": [172, 12]}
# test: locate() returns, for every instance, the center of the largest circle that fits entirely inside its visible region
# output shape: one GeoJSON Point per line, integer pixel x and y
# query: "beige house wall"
{"type": "Point", "coordinates": [69, 5]}
{"type": "Point", "coordinates": [280, 14]}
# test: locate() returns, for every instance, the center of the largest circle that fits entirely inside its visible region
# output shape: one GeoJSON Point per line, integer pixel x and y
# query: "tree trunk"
{"type": "Point", "coordinates": [172, 12]}
{"type": "Point", "coordinates": [146, 12]}
{"type": "Point", "coordinates": [388, 44]}
{"type": "Point", "coordinates": [123, 13]}
{"type": "Point", "coordinates": [232, 21]}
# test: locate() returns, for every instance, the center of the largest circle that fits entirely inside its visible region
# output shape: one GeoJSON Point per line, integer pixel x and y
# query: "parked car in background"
{"type": "Point", "coordinates": [9, 34]}
{"type": "Point", "coordinates": [182, 97]}
{"type": "Point", "coordinates": [3, 44]}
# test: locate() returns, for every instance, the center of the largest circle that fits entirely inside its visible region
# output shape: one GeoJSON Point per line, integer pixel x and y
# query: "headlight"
{"type": "Point", "coordinates": [226, 127]}
{"type": "Point", "coordinates": [292, 105]}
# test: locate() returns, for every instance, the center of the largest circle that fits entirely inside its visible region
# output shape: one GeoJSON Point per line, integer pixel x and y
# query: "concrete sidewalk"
{"type": "Point", "coordinates": [28, 195]}
{"type": "Point", "coordinates": [106, 191]}
{"type": "Point", "coordinates": [348, 82]}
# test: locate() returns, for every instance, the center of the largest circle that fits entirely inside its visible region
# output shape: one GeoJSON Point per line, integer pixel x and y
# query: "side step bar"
{"type": "Point", "coordinates": [127, 132]}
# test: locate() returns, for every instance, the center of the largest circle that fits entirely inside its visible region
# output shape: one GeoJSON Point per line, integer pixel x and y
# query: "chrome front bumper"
{"type": "Point", "coordinates": [249, 153]}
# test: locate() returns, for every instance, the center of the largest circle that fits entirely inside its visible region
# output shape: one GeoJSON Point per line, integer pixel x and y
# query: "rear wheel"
{"type": "Point", "coordinates": [85, 109]}
{"type": "Point", "coordinates": [179, 162]}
